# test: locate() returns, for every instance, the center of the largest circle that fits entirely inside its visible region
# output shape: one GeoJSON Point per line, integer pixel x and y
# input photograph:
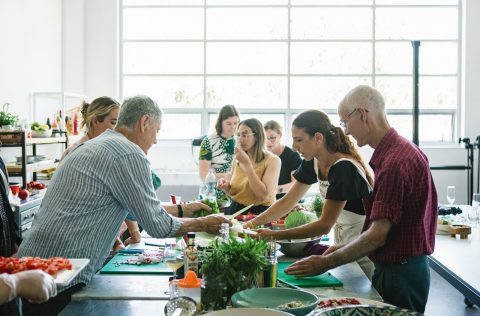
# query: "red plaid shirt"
{"type": "Point", "coordinates": [405, 194]}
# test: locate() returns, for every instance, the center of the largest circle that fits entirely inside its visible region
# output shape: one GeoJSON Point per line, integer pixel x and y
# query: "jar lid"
{"type": "Point", "coordinates": [190, 280]}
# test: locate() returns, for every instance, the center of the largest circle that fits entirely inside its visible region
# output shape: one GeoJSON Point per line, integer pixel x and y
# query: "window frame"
{"type": "Point", "coordinates": [289, 112]}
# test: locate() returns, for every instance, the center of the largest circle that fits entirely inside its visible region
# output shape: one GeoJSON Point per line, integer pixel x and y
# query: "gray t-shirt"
{"type": "Point", "coordinates": [90, 194]}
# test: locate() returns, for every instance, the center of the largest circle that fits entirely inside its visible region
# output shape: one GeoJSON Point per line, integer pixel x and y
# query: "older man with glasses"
{"type": "Point", "coordinates": [401, 213]}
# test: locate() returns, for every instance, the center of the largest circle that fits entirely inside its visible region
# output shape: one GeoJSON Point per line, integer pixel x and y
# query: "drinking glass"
{"type": "Point", "coordinates": [476, 200]}
{"type": "Point", "coordinates": [451, 194]}
{"type": "Point", "coordinates": [473, 216]}
{"type": "Point", "coordinates": [173, 263]}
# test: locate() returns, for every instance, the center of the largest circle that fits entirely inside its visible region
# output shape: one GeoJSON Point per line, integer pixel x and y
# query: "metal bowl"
{"type": "Point", "coordinates": [30, 159]}
{"type": "Point", "coordinates": [297, 247]}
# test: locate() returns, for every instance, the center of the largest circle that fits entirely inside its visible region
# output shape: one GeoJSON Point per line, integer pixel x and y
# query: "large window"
{"type": "Point", "coordinates": [194, 56]}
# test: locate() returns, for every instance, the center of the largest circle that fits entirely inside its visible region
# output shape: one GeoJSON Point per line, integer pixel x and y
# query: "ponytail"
{"type": "Point", "coordinates": [314, 121]}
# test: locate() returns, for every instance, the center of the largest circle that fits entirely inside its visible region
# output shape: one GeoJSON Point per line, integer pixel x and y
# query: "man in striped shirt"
{"type": "Point", "coordinates": [401, 213]}
{"type": "Point", "coordinates": [91, 192]}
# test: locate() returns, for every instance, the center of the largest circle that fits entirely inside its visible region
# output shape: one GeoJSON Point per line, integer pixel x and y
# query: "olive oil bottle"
{"type": "Point", "coordinates": [191, 255]}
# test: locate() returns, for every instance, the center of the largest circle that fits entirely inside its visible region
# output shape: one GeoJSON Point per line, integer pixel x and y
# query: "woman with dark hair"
{"type": "Point", "coordinates": [216, 150]}
{"type": "Point", "coordinates": [331, 159]}
{"type": "Point", "coordinates": [290, 159]}
{"type": "Point", "coordinates": [255, 171]}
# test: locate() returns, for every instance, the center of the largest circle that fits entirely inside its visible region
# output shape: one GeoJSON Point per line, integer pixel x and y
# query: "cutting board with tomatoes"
{"type": "Point", "coordinates": [323, 280]}
{"type": "Point", "coordinates": [116, 266]}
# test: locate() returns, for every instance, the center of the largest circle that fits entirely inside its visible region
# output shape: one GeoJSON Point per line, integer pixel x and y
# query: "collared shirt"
{"type": "Point", "coordinates": [90, 194]}
{"type": "Point", "coordinates": [405, 194]}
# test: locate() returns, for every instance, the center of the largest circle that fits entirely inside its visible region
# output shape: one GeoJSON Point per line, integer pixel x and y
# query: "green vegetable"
{"type": "Point", "coordinates": [317, 205]}
{"type": "Point", "coordinates": [213, 204]}
{"type": "Point", "coordinates": [298, 218]}
{"type": "Point", "coordinates": [230, 267]}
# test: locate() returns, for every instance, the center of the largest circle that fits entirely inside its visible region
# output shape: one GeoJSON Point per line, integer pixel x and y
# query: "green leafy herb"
{"type": "Point", "coordinates": [232, 266]}
{"type": "Point", "coordinates": [213, 204]}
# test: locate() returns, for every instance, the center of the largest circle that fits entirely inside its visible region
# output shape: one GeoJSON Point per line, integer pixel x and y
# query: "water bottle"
{"type": "Point", "coordinates": [211, 186]}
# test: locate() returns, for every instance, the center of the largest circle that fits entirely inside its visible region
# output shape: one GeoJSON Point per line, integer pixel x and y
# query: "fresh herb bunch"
{"type": "Point", "coordinates": [213, 204]}
{"type": "Point", "coordinates": [7, 118]}
{"type": "Point", "coordinates": [232, 266]}
{"type": "Point", "coordinates": [317, 205]}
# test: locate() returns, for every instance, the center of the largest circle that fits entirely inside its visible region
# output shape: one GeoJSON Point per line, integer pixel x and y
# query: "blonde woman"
{"type": "Point", "coordinates": [255, 170]}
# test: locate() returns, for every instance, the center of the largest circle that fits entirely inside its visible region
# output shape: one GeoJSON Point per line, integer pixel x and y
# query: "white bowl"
{"type": "Point", "coordinates": [42, 134]}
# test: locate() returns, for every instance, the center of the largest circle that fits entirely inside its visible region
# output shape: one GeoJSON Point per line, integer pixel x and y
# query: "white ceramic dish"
{"type": "Point", "coordinates": [66, 276]}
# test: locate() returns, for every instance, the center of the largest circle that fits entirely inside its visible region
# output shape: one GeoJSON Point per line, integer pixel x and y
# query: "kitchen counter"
{"type": "Point", "coordinates": [456, 261]}
{"type": "Point", "coordinates": [115, 308]}
{"type": "Point", "coordinates": [135, 294]}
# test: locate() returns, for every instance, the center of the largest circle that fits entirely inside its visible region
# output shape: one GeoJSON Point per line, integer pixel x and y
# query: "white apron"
{"type": "Point", "coordinates": [348, 225]}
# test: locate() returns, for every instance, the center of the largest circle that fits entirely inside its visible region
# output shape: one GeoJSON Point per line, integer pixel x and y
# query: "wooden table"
{"type": "Point", "coordinates": [456, 260]}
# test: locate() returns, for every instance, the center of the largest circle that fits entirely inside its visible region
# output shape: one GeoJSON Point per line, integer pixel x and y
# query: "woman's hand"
{"type": "Point", "coordinates": [264, 233]}
{"type": "Point", "coordinates": [242, 158]}
{"type": "Point", "coordinates": [224, 185]}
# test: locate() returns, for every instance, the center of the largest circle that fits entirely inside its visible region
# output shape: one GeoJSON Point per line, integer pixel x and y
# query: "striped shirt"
{"type": "Point", "coordinates": [90, 194]}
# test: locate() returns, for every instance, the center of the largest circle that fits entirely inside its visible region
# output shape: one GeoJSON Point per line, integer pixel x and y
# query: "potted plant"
{"type": "Point", "coordinates": [230, 267]}
{"type": "Point", "coordinates": [7, 120]}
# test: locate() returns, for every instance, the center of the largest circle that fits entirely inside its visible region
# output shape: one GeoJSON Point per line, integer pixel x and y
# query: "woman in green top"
{"type": "Point", "coordinates": [217, 149]}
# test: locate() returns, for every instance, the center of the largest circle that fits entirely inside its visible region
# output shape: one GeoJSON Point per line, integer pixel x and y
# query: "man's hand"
{"type": "Point", "coordinates": [332, 249]}
{"type": "Point", "coordinates": [35, 285]}
{"type": "Point", "coordinates": [212, 223]}
{"type": "Point", "coordinates": [190, 208]}
{"type": "Point", "coordinates": [310, 266]}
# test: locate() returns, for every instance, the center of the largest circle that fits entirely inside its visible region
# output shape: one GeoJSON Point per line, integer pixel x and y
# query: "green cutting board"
{"type": "Point", "coordinates": [113, 268]}
{"type": "Point", "coordinates": [323, 280]}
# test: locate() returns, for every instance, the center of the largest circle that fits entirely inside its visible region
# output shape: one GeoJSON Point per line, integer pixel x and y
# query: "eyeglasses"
{"type": "Point", "coordinates": [272, 138]}
{"type": "Point", "coordinates": [243, 135]}
{"type": "Point", "coordinates": [344, 123]}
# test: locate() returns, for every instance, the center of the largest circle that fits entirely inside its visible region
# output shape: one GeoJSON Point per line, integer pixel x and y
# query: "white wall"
{"type": "Point", "coordinates": [30, 54]}
{"type": "Point", "coordinates": [30, 50]}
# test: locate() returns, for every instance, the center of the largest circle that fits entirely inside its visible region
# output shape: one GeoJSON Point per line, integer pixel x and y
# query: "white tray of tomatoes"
{"type": "Point", "coordinates": [62, 269]}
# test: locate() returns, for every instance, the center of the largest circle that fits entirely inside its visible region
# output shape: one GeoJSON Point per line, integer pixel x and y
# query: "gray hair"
{"type": "Point", "coordinates": [365, 96]}
{"type": "Point", "coordinates": [134, 108]}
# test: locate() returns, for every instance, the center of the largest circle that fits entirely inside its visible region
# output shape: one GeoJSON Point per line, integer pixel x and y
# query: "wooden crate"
{"type": "Point", "coordinates": [11, 138]}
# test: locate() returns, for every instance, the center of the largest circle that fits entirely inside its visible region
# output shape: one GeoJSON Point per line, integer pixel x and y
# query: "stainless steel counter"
{"type": "Point", "coordinates": [118, 294]}
{"type": "Point", "coordinates": [115, 308]}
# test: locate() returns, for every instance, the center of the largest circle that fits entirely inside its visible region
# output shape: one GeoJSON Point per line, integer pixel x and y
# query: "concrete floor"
{"type": "Point", "coordinates": [444, 299]}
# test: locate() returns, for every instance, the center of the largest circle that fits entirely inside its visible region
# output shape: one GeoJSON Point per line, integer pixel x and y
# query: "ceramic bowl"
{"type": "Point", "coordinates": [297, 247]}
{"type": "Point", "coordinates": [41, 134]}
{"type": "Point", "coordinates": [274, 297]}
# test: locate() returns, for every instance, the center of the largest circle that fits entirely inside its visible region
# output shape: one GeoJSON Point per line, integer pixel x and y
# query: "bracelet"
{"type": "Point", "coordinates": [180, 210]}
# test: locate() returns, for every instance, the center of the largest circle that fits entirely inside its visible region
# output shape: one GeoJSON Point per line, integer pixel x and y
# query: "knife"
{"type": "Point", "coordinates": [229, 217]}
{"type": "Point", "coordinates": [131, 251]}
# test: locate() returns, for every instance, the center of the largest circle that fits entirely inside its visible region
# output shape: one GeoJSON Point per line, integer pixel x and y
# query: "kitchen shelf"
{"type": "Point", "coordinates": [18, 139]}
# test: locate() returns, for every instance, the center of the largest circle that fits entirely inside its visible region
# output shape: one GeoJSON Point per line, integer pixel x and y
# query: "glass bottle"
{"type": "Point", "coordinates": [191, 255]}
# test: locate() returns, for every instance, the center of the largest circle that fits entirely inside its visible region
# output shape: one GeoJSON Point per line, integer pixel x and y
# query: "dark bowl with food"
{"type": "Point", "coordinates": [297, 247]}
